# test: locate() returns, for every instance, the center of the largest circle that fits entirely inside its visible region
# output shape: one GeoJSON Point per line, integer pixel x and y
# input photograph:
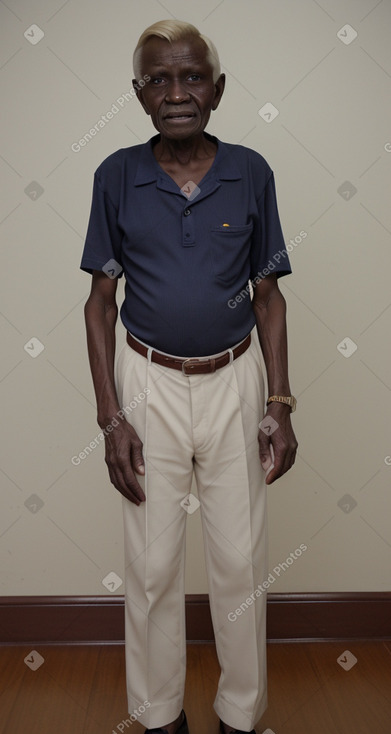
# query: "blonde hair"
{"type": "Point", "coordinates": [175, 30]}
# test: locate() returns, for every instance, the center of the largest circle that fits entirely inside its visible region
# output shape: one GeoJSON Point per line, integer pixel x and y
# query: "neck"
{"type": "Point", "coordinates": [184, 151]}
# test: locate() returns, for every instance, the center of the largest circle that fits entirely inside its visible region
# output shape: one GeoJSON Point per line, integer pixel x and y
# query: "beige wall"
{"type": "Point", "coordinates": [333, 126]}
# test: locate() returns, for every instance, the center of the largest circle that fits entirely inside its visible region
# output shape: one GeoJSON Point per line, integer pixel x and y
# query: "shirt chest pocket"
{"type": "Point", "coordinates": [230, 250]}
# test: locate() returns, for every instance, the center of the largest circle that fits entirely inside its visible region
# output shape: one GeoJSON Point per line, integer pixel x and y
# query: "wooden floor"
{"type": "Point", "coordinates": [81, 690]}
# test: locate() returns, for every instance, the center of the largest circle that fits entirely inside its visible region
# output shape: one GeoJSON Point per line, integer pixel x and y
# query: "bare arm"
{"type": "Point", "coordinates": [123, 446]}
{"type": "Point", "coordinates": [270, 313]}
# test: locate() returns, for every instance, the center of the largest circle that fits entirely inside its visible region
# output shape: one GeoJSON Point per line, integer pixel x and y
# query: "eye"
{"type": "Point", "coordinates": [194, 77]}
{"type": "Point", "coordinates": [157, 80]}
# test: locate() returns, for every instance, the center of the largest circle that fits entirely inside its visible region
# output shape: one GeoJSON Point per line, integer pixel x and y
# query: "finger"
{"type": "Point", "coordinates": [283, 461]}
{"type": "Point", "coordinates": [132, 484]}
{"type": "Point", "coordinates": [270, 469]}
{"type": "Point", "coordinates": [137, 459]}
{"type": "Point", "coordinates": [266, 452]}
{"type": "Point", "coordinates": [127, 486]}
{"type": "Point", "coordinates": [266, 460]}
{"type": "Point", "coordinates": [273, 473]}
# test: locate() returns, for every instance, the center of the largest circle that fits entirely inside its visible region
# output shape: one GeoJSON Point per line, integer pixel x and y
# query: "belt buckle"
{"type": "Point", "coordinates": [196, 361]}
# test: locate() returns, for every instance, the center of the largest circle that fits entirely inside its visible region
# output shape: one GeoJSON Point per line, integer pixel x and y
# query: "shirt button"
{"type": "Point", "coordinates": [187, 212]}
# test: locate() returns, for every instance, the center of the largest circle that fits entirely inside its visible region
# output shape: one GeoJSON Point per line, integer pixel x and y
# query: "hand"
{"type": "Point", "coordinates": [124, 457]}
{"type": "Point", "coordinates": [281, 441]}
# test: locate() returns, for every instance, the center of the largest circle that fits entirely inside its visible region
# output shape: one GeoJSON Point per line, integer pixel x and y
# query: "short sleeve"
{"type": "Point", "coordinates": [268, 251]}
{"type": "Point", "coordinates": [104, 236]}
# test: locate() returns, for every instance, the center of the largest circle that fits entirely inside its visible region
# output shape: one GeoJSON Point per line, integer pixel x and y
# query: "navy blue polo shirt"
{"type": "Point", "coordinates": [187, 255]}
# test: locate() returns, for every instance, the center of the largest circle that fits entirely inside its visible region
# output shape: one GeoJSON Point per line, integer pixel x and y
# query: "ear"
{"type": "Point", "coordinates": [219, 89]}
{"type": "Point", "coordinates": [139, 95]}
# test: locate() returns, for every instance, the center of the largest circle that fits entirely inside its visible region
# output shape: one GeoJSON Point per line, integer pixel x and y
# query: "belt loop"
{"type": "Point", "coordinates": [149, 355]}
{"type": "Point", "coordinates": [231, 356]}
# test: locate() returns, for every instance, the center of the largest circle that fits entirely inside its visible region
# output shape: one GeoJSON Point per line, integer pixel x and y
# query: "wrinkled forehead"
{"type": "Point", "coordinates": [159, 53]}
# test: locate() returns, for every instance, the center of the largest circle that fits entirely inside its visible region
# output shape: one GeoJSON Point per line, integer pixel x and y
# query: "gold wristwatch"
{"type": "Point", "coordinates": [288, 400]}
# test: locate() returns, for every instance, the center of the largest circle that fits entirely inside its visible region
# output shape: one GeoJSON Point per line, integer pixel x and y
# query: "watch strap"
{"type": "Point", "coordinates": [286, 399]}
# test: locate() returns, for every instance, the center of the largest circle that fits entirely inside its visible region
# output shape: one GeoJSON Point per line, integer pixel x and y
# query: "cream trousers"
{"type": "Point", "coordinates": [206, 424]}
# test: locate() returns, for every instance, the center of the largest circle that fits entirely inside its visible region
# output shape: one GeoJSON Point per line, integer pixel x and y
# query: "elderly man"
{"type": "Point", "coordinates": [193, 224]}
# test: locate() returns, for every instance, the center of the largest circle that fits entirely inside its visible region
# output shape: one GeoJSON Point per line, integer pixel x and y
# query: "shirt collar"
{"type": "Point", "coordinates": [224, 166]}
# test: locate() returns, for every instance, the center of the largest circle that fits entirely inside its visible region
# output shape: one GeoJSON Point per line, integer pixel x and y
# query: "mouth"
{"type": "Point", "coordinates": [179, 116]}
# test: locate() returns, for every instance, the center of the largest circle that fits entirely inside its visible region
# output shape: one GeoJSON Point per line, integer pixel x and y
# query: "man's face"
{"type": "Point", "coordinates": [181, 93]}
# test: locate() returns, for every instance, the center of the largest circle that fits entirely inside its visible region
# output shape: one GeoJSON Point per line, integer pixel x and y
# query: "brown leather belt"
{"type": "Point", "coordinates": [190, 365]}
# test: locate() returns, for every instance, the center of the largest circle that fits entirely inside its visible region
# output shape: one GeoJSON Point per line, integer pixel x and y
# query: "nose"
{"type": "Point", "coordinates": [176, 93]}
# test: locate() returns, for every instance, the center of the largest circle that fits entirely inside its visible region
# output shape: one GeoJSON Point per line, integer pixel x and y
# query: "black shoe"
{"type": "Point", "coordinates": [182, 728]}
{"type": "Point", "coordinates": [235, 731]}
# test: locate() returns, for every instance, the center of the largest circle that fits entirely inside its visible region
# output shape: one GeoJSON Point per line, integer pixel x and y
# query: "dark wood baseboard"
{"type": "Point", "coordinates": [294, 617]}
